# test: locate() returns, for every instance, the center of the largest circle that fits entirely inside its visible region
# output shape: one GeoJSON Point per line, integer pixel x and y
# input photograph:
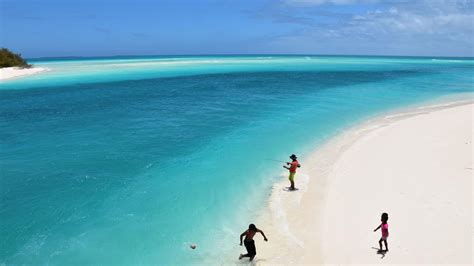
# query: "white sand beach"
{"type": "Point", "coordinates": [16, 72]}
{"type": "Point", "coordinates": [416, 166]}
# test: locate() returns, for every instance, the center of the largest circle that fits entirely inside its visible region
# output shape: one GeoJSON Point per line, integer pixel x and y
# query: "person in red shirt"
{"type": "Point", "coordinates": [293, 165]}
{"type": "Point", "coordinates": [249, 242]}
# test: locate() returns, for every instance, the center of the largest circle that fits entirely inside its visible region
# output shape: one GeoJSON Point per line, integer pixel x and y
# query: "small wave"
{"type": "Point", "coordinates": [448, 60]}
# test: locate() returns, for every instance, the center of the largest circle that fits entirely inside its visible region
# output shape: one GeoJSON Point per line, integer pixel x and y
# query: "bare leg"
{"type": "Point", "coordinates": [251, 258]}
{"type": "Point", "coordinates": [380, 244]}
{"type": "Point", "coordinates": [292, 185]}
{"type": "Point", "coordinates": [386, 246]}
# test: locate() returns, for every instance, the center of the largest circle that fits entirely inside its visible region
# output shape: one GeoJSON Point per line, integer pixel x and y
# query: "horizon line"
{"type": "Point", "coordinates": [246, 54]}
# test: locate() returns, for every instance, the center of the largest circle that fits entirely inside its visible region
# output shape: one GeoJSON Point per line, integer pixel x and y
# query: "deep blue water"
{"type": "Point", "coordinates": [112, 161]}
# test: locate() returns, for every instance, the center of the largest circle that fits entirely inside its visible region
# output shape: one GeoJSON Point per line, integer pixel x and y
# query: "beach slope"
{"type": "Point", "coordinates": [417, 167]}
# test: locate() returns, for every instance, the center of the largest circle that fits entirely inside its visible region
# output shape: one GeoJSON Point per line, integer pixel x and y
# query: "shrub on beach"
{"type": "Point", "coordinates": [10, 59]}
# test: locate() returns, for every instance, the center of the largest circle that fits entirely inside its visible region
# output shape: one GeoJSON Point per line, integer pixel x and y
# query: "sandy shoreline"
{"type": "Point", "coordinates": [9, 73]}
{"type": "Point", "coordinates": [415, 165]}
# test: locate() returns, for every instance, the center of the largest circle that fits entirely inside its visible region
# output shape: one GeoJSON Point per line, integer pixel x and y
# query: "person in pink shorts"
{"type": "Point", "coordinates": [384, 226]}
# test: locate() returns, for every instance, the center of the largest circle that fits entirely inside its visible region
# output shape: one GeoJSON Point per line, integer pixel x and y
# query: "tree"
{"type": "Point", "coordinates": [10, 59]}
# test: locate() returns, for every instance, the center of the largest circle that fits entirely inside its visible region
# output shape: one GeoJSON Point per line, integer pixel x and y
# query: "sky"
{"type": "Point", "coordinates": [55, 28]}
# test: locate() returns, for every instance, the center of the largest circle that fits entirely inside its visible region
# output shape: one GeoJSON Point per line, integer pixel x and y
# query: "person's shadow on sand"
{"type": "Point", "coordinates": [287, 189]}
{"type": "Point", "coordinates": [256, 261]}
{"type": "Point", "coordinates": [382, 253]}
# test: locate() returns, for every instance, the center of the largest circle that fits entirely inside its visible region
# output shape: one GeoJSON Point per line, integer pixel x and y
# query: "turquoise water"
{"type": "Point", "coordinates": [120, 161]}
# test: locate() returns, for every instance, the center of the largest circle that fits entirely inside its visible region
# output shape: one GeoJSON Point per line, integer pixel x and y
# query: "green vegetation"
{"type": "Point", "coordinates": [10, 59]}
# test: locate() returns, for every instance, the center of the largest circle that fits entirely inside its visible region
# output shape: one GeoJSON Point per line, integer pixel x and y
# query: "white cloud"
{"type": "Point", "coordinates": [434, 20]}
{"type": "Point", "coordinates": [418, 27]}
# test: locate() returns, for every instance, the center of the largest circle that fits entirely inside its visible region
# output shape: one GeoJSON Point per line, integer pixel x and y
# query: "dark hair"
{"type": "Point", "coordinates": [384, 217]}
{"type": "Point", "coordinates": [252, 227]}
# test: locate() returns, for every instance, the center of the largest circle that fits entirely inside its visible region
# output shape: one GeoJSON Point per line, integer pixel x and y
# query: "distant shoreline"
{"type": "Point", "coordinates": [86, 57]}
{"type": "Point", "coordinates": [9, 73]}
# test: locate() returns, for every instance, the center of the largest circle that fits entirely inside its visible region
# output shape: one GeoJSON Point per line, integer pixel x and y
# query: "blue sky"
{"type": "Point", "coordinates": [38, 28]}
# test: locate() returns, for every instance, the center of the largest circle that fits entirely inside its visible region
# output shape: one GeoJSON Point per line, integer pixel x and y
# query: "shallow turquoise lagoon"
{"type": "Point", "coordinates": [127, 160]}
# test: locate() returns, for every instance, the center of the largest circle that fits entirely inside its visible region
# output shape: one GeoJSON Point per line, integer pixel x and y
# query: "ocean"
{"type": "Point", "coordinates": [128, 160]}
